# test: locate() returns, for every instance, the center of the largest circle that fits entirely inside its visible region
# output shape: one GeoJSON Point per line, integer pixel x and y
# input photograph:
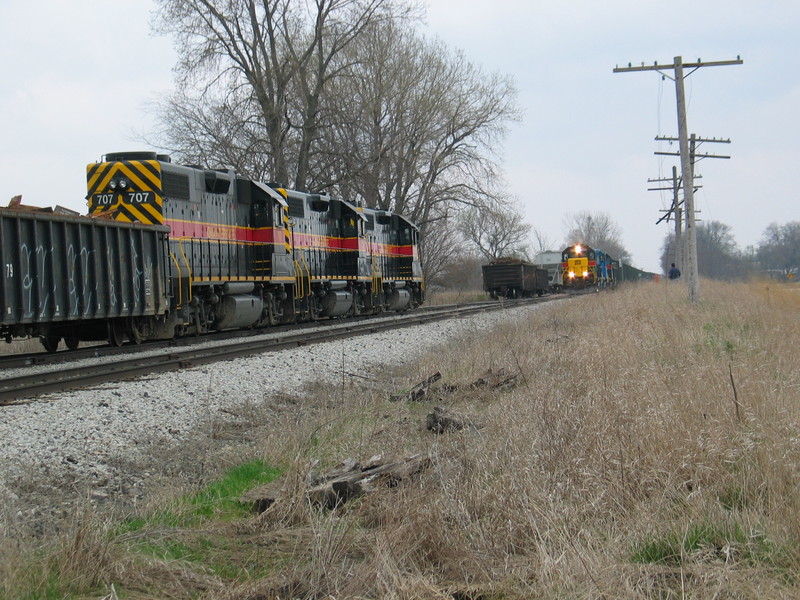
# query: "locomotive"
{"type": "Point", "coordinates": [168, 250]}
{"type": "Point", "coordinates": [583, 267]}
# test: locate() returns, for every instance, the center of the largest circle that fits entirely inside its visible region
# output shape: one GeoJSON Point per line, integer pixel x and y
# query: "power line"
{"type": "Point", "coordinates": [687, 168]}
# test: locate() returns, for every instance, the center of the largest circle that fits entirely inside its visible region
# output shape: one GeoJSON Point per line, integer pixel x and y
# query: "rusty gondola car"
{"type": "Point", "coordinates": [75, 278]}
{"type": "Point", "coordinates": [514, 278]}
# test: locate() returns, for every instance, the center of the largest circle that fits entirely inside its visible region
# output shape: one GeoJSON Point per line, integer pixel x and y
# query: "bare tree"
{"type": "Point", "coordinates": [542, 242]}
{"type": "Point", "coordinates": [496, 232]}
{"type": "Point", "coordinates": [343, 95]}
{"type": "Point", "coordinates": [718, 255]}
{"type": "Point", "coordinates": [419, 126]}
{"type": "Point", "coordinates": [271, 60]}
{"type": "Point", "coordinates": [780, 247]}
{"type": "Point", "coordinates": [440, 247]}
{"type": "Point", "coordinates": [597, 230]}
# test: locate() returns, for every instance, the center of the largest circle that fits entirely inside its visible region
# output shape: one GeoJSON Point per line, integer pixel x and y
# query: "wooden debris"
{"type": "Point", "coordinates": [341, 485]}
{"type": "Point", "coordinates": [419, 391]}
{"type": "Point", "coordinates": [263, 496]}
{"type": "Point", "coordinates": [442, 421]}
{"type": "Point", "coordinates": [495, 379]}
{"type": "Point", "coordinates": [16, 204]}
{"type": "Point", "coordinates": [492, 379]}
{"type": "Point", "coordinates": [347, 480]}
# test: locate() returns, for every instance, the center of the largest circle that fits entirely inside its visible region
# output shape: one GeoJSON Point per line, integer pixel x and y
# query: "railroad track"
{"type": "Point", "coordinates": [102, 351]}
{"type": "Point", "coordinates": [147, 359]}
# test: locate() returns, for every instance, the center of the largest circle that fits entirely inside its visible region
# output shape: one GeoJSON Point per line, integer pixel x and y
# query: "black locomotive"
{"type": "Point", "coordinates": [170, 250]}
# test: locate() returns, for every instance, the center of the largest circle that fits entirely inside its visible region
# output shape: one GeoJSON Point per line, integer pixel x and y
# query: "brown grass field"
{"type": "Point", "coordinates": [650, 448]}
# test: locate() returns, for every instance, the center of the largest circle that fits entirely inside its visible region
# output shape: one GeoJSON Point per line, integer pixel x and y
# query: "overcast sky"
{"type": "Point", "coordinates": [79, 78]}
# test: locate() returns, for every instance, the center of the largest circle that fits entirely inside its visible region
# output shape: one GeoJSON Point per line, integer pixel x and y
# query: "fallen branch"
{"type": "Point", "coordinates": [349, 479]}
{"type": "Point", "coordinates": [419, 391]}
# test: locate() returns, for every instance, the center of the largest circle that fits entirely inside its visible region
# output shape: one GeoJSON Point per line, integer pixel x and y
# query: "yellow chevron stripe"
{"type": "Point", "coordinates": [287, 232]}
{"type": "Point", "coordinates": [154, 213]}
{"type": "Point", "coordinates": [93, 177]}
{"type": "Point", "coordinates": [139, 215]}
{"type": "Point", "coordinates": [140, 184]}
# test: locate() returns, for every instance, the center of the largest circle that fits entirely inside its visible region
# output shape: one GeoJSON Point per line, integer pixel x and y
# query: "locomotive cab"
{"type": "Point", "coordinates": [579, 264]}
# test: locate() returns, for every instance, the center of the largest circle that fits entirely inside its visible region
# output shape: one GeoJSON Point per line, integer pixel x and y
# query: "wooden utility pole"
{"type": "Point", "coordinates": [677, 67]}
{"type": "Point", "coordinates": [694, 156]}
{"type": "Point", "coordinates": [677, 206]}
{"type": "Point", "coordinates": [675, 210]}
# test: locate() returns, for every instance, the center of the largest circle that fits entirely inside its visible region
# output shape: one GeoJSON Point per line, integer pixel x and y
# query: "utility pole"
{"type": "Point", "coordinates": [677, 67]}
{"type": "Point", "coordinates": [694, 156]}
{"type": "Point", "coordinates": [675, 210]}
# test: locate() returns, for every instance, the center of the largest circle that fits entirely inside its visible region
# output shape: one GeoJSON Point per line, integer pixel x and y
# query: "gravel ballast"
{"type": "Point", "coordinates": [82, 437]}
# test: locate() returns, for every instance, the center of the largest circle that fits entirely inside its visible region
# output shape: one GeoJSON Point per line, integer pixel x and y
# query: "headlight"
{"type": "Point", "coordinates": [123, 183]}
{"type": "Point", "coordinates": [112, 184]}
{"type": "Point", "coordinates": [586, 273]}
{"type": "Point", "coordinates": [572, 274]}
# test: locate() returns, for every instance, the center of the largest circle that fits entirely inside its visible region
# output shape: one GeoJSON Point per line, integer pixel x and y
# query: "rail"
{"type": "Point", "coordinates": [60, 377]}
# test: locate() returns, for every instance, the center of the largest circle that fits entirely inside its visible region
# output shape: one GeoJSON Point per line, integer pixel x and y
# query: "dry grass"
{"type": "Point", "coordinates": [649, 450]}
{"type": "Point", "coordinates": [437, 297]}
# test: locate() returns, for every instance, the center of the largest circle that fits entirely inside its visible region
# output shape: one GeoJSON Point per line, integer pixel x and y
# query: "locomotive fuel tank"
{"type": "Point", "coordinates": [399, 299]}
{"type": "Point", "coordinates": [336, 303]}
{"type": "Point", "coordinates": [238, 310]}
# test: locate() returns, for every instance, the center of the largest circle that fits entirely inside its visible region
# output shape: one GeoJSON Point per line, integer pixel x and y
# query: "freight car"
{"type": "Point", "coordinates": [551, 261]}
{"type": "Point", "coordinates": [625, 273]}
{"type": "Point", "coordinates": [171, 249]}
{"type": "Point", "coordinates": [585, 267]}
{"type": "Point", "coordinates": [74, 278]}
{"type": "Point", "coordinates": [514, 278]}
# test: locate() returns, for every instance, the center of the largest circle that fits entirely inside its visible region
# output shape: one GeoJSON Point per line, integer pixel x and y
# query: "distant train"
{"type": "Point", "coordinates": [172, 249]}
{"type": "Point", "coordinates": [586, 267]}
{"type": "Point", "coordinates": [576, 267]}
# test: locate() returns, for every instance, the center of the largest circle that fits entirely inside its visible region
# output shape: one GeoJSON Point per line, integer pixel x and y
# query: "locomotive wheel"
{"type": "Point", "coordinates": [50, 342]}
{"type": "Point", "coordinates": [116, 333]}
{"type": "Point", "coordinates": [72, 343]}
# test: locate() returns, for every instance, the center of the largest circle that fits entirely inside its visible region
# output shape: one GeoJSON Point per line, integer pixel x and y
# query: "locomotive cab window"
{"type": "Point", "coordinates": [349, 228]}
{"type": "Point", "coordinates": [260, 214]}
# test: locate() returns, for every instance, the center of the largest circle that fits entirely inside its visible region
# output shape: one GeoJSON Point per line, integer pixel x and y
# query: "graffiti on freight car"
{"type": "Point", "coordinates": [33, 262]}
{"type": "Point", "coordinates": [42, 255]}
{"type": "Point", "coordinates": [36, 265]}
{"type": "Point", "coordinates": [79, 264]}
{"type": "Point", "coordinates": [137, 272]}
{"type": "Point", "coordinates": [112, 290]}
{"type": "Point", "coordinates": [27, 279]}
{"type": "Point", "coordinates": [81, 284]}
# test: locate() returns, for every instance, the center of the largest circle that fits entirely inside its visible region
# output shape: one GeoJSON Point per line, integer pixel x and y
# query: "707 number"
{"type": "Point", "coordinates": [138, 197]}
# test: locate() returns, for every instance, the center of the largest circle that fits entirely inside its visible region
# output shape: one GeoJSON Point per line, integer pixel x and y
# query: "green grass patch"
{"type": "Point", "coordinates": [705, 542]}
{"type": "Point", "coordinates": [217, 553]}
{"type": "Point", "coordinates": [173, 534]}
{"type": "Point", "coordinates": [219, 500]}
